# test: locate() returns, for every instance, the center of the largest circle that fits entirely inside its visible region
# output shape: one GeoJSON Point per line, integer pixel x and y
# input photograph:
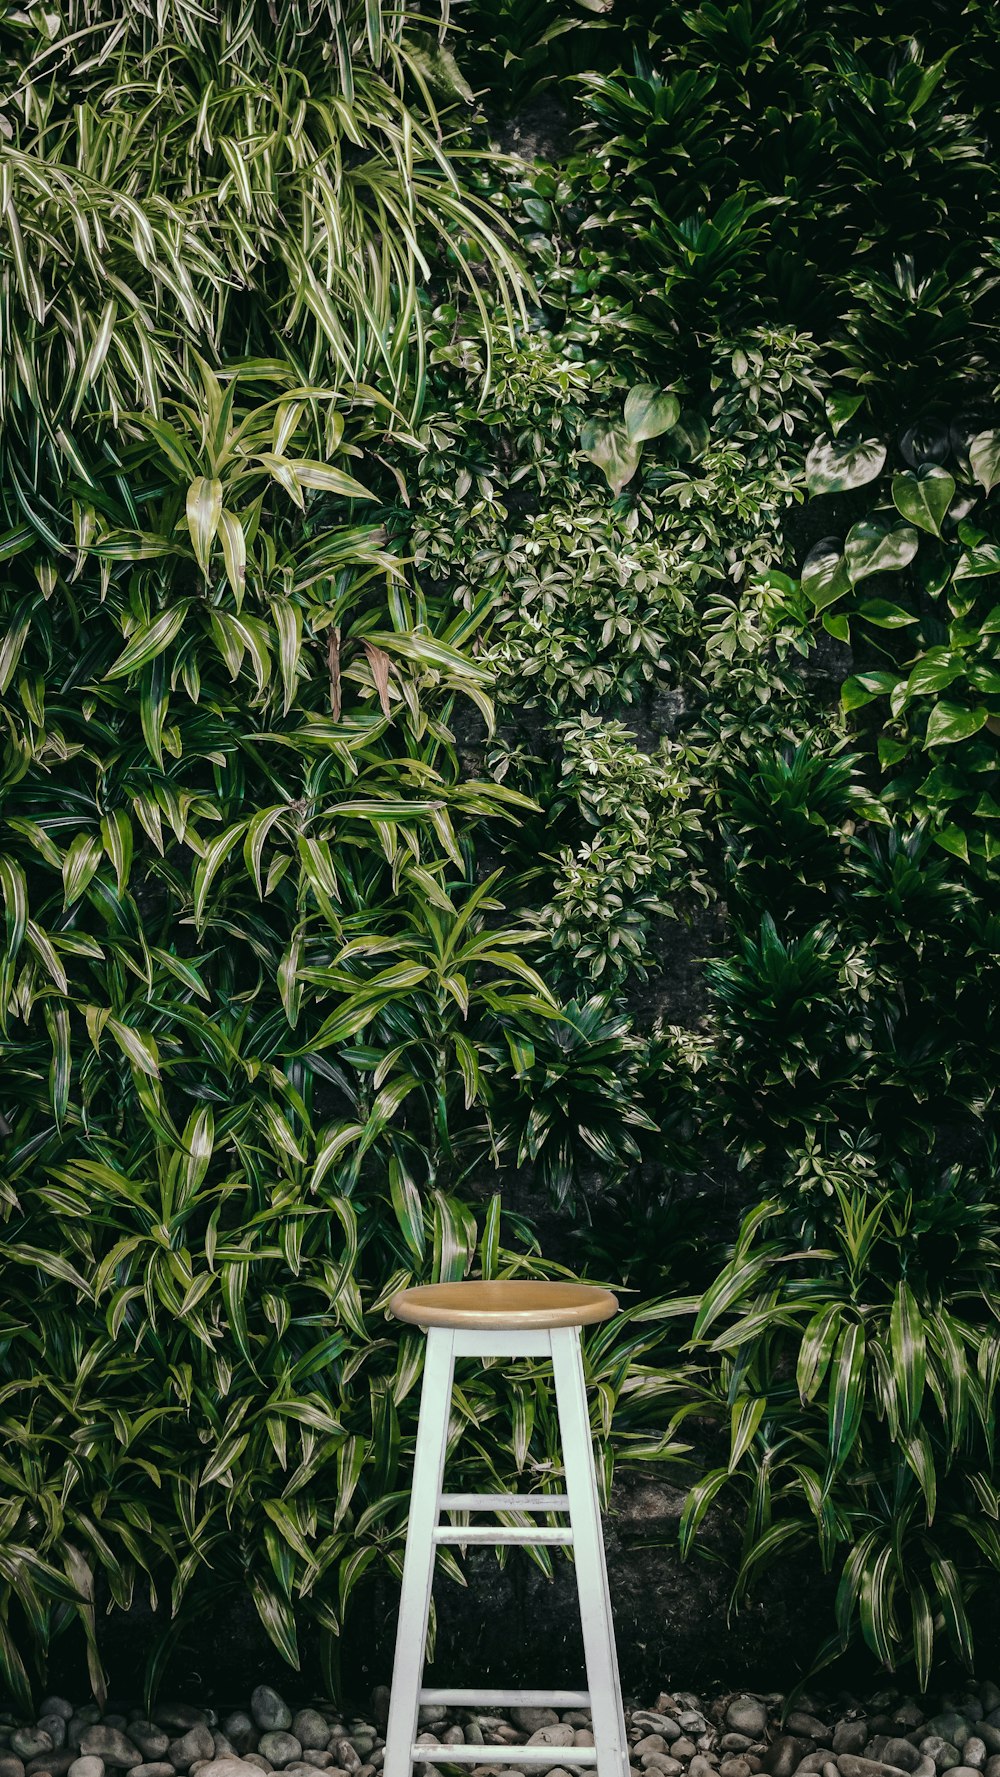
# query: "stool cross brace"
{"type": "Point", "coordinates": [426, 1531]}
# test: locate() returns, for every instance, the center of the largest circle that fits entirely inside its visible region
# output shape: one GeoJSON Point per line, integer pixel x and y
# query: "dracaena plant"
{"type": "Point", "coordinates": [220, 182]}
{"type": "Point", "coordinates": [849, 1360]}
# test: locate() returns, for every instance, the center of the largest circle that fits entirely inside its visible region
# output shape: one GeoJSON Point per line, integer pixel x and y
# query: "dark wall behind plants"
{"type": "Point", "coordinates": [500, 705]}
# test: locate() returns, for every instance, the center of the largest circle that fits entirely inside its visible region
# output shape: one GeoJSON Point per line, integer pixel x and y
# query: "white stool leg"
{"type": "Point", "coordinates": [418, 1561]}
{"type": "Point", "coordinates": [588, 1544]}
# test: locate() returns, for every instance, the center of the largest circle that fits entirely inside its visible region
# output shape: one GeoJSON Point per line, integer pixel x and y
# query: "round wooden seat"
{"type": "Point", "coordinates": [504, 1302]}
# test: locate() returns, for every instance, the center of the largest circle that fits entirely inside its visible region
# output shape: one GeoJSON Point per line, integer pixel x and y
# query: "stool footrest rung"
{"type": "Point", "coordinates": [464, 1699]}
{"type": "Point", "coordinates": [504, 1533]}
{"type": "Point", "coordinates": [505, 1755]}
{"type": "Point", "coordinates": [504, 1502]}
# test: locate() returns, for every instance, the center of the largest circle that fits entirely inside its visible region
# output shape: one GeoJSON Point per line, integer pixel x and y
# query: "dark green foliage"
{"type": "Point", "coordinates": [302, 962]}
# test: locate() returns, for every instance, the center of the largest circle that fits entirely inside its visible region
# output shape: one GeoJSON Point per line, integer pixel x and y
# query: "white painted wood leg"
{"type": "Point", "coordinates": [603, 1681]}
{"type": "Point", "coordinates": [421, 1547]}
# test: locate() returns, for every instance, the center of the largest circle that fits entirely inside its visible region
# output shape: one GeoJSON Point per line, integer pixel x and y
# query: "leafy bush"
{"type": "Point", "coordinates": [853, 1383]}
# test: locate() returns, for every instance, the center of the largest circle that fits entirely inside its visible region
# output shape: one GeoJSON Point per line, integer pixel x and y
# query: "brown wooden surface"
{"type": "Point", "coordinates": [504, 1303]}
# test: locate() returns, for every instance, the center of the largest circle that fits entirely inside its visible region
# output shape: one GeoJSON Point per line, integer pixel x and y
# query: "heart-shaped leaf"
{"type": "Point", "coordinates": [938, 669]}
{"type": "Point", "coordinates": [927, 442]}
{"type": "Point", "coordinates": [835, 465]}
{"type": "Point", "coordinates": [949, 722]}
{"type": "Point", "coordinates": [824, 573]}
{"type": "Point", "coordinates": [924, 495]}
{"type": "Point", "coordinates": [615, 453]}
{"type": "Point", "coordinates": [978, 563]}
{"type": "Point", "coordinates": [876, 546]}
{"type": "Point", "coordinates": [984, 456]}
{"type": "Point", "coordinates": [649, 412]}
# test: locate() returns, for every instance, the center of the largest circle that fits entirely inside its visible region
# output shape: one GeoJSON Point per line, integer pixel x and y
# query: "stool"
{"type": "Point", "coordinates": [505, 1319]}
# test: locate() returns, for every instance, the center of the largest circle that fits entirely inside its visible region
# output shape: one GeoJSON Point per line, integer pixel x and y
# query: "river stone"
{"type": "Point", "coordinates": [55, 1727]}
{"type": "Point", "coordinates": [88, 1767]}
{"type": "Point", "coordinates": [747, 1715]}
{"type": "Point", "coordinates": [226, 1767]}
{"type": "Point", "coordinates": [649, 1743]}
{"type": "Point", "coordinates": [945, 1755]}
{"type": "Point", "coordinates": [110, 1744]}
{"type": "Point", "coordinates": [29, 1742]}
{"type": "Point", "coordinates": [197, 1744]}
{"type": "Point", "coordinates": [254, 1759]}
{"type": "Point", "coordinates": [684, 1748]}
{"type": "Point", "coordinates": [801, 1722]}
{"type": "Point", "coordinates": [310, 1730]}
{"type": "Point", "coordinates": [55, 1763]}
{"type": "Point", "coordinates": [692, 1721]}
{"type": "Point", "coordinates": [280, 1748]}
{"type": "Point", "coordinates": [178, 1717]}
{"type": "Point", "coordinates": [155, 1768]}
{"type": "Point", "coordinates": [734, 1767]}
{"type": "Point", "coordinates": [663, 1763]}
{"type": "Point", "coordinates": [113, 1718]}
{"type": "Point", "coordinates": [323, 1761]}
{"type": "Point", "coordinates": [814, 1761]}
{"type": "Point", "coordinates": [889, 1749]}
{"type": "Point", "coordinates": [852, 1766]}
{"type": "Point", "coordinates": [656, 1723]}
{"type": "Point", "coordinates": [735, 1742]}
{"type": "Point", "coordinates": [783, 1755]}
{"type": "Point", "coordinates": [151, 1740]}
{"type": "Point", "coordinates": [556, 1733]}
{"type": "Point", "coordinates": [11, 1765]}
{"type": "Point", "coordinates": [964, 1771]}
{"type": "Point", "coordinates": [270, 1712]}
{"type": "Point", "coordinates": [992, 1766]}
{"type": "Point", "coordinates": [990, 1736]}
{"type": "Point", "coordinates": [348, 1758]}
{"type": "Point", "coordinates": [973, 1752]}
{"type": "Point", "coordinates": [951, 1726]}
{"type": "Point", "coordinates": [56, 1706]}
{"type": "Point", "coordinates": [240, 1731]}
{"type": "Point", "coordinates": [700, 1766]}
{"type": "Point", "coordinates": [529, 1720]}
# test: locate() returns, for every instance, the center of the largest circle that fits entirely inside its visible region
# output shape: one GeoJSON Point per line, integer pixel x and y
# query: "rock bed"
{"type": "Point", "coordinates": [890, 1735]}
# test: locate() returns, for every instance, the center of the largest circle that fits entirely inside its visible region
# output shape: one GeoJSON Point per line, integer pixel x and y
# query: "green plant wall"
{"type": "Point", "coordinates": [498, 689]}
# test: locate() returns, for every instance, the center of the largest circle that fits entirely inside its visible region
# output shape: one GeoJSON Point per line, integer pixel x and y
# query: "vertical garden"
{"type": "Point", "coordinates": [500, 693]}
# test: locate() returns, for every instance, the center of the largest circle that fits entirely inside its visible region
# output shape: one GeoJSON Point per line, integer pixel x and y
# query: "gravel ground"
{"type": "Point", "coordinates": [891, 1734]}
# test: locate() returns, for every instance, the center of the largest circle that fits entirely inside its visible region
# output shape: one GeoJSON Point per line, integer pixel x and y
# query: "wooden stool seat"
{"type": "Point", "coordinates": [504, 1303]}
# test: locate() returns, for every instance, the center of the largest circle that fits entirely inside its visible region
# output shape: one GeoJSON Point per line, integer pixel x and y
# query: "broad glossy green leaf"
{"type": "Point", "coordinates": [614, 452]}
{"type": "Point", "coordinates": [923, 496]}
{"type": "Point", "coordinates": [824, 573]}
{"type": "Point", "coordinates": [952, 722]}
{"type": "Point", "coordinates": [834, 466]}
{"type": "Point", "coordinates": [649, 412]}
{"type": "Point", "coordinates": [984, 456]}
{"type": "Point", "coordinates": [879, 546]}
{"type": "Point", "coordinates": [865, 687]}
